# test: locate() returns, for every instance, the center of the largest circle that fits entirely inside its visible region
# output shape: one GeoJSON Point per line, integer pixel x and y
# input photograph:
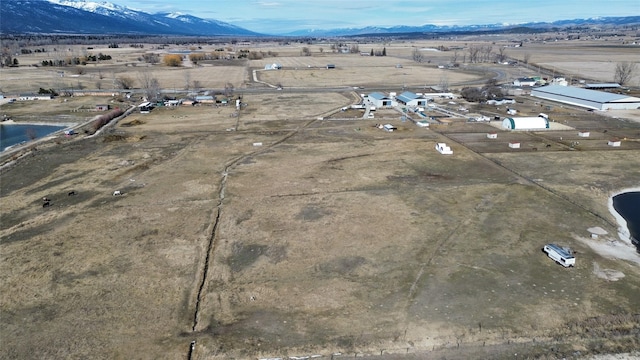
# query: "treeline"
{"type": "Point", "coordinates": [104, 119]}
{"type": "Point", "coordinates": [77, 60]}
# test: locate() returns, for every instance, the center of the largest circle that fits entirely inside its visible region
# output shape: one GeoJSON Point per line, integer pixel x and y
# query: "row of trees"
{"type": "Point", "coordinates": [104, 119]}
{"type": "Point", "coordinates": [84, 60]}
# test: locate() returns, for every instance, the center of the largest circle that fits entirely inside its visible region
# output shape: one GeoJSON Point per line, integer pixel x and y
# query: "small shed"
{"type": "Point", "coordinates": [102, 107]}
{"type": "Point", "coordinates": [584, 133]}
{"type": "Point", "coordinates": [615, 142]}
{"type": "Point", "coordinates": [444, 149]}
{"type": "Point", "coordinates": [205, 99]}
{"type": "Point", "coordinates": [514, 145]}
{"type": "Point", "coordinates": [331, 66]}
{"type": "Point", "coordinates": [389, 127]}
{"type": "Point", "coordinates": [492, 135]}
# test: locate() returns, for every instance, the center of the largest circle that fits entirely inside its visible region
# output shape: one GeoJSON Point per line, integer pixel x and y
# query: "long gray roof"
{"type": "Point", "coordinates": [378, 96]}
{"type": "Point", "coordinates": [580, 93]}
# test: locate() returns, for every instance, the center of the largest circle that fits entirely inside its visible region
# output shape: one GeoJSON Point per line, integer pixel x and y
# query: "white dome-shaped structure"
{"type": "Point", "coordinates": [525, 123]}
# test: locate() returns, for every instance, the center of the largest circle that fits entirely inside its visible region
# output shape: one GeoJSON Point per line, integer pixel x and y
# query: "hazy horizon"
{"type": "Point", "coordinates": [284, 16]}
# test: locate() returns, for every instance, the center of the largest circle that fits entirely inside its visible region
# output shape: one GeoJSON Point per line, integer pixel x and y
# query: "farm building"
{"type": "Point", "coordinates": [524, 82]}
{"type": "Point", "coordinates": [205, 99]}
{"type": "Point", "coordinates": [601, 86]}
{"type": "Point", "coordinates": [591, 99]}
{"type": "Point", "coordinates": [26, 97]}
{"type": "Point", "coordinates": [583, 133]}
{"type": "Point", "coordinates": [514, 145]}
{"type": "Point", "coordinates": [102, 107]}
{"type": "Point", "coordinates": [615, 142]}
{"type": "Point", "coordinates": [379, 100]}
{"type": "Point", "coordinates": [525, 123]}
{"type": "Point", "coordinates": [274, 66]}
{"type": "Point", "coordinates": [492, 135]}
{"type": "Point", "coordinates": [411, 99]}
{"type": "Point", "coordinates": [444, 149]}
{"type": "Point", "coordinates": [501, 101]}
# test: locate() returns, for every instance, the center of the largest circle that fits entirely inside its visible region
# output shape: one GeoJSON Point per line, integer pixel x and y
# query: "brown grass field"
{"type": "Point", "coordinates": [266, 232]}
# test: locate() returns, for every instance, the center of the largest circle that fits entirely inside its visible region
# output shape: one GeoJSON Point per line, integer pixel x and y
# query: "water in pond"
{"type": "Point", "coordinates": [12, 134]}
{"type": "Point", "coordinates": [628, 206]}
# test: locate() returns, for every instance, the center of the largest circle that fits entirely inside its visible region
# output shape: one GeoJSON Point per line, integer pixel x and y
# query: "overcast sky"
{"type": "Point", "coordinates": [282, 16]}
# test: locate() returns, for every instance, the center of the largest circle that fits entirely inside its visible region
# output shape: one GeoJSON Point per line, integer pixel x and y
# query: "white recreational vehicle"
{"type": "Point", "coordinates": [560, 255]}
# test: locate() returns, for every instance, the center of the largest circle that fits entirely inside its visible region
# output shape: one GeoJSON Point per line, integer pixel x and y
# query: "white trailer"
{"type": "Point", "coordinates": [560, 255]}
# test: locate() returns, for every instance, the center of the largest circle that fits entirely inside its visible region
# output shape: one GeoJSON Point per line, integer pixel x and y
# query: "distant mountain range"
{"type": "Point", "coordinates": [93, 17]}
{"type": "Point", "coordinates": [429, 28]}
{"type": "Point", "coordinates": [102, 17]}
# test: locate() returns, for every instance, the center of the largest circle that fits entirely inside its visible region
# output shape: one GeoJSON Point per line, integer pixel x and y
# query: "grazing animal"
{"type": "Point", "coordinates": [548, 145]}
{"type": "Point", "coordinates": [117, 193]}
{"type": "Point", "coordinates": [46, 199]}
{"type": "Point", "coordinates": [46, 204]}
{"type": "Point", "coordinates": [72, 193]}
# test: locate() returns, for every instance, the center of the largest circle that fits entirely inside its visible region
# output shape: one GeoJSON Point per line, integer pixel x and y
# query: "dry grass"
{"type": "Point", "coordinates": [333, 236]}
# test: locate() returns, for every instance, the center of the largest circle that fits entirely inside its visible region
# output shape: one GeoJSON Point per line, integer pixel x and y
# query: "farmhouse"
{"type": "Point", "coordinates": [379, 100]}
{"type": "Point", "coordinates": [524, 82]}
{"type": "Point", "coordinates": [591, 99]}
{"type": "Point", "coordinates": [411, 99]}
{"type": "Point", "coordinates": [525, 123]}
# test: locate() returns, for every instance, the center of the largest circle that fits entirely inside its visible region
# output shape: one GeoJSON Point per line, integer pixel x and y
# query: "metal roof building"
{"type": "Point", "coordinates": [380, 100]}
{"type": "Point", "coordinates": [602, 86]}
{"type": "Point", "coordinates": [411, 99]}
{"type": "Point", "coordinates": [591, 99]}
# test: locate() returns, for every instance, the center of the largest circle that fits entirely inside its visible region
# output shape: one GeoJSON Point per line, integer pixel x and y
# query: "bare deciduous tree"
{"type": "Point", "coordinates": [417, 55]}
{"type": "Point", "coordinates": [473, 53]}
{"type": "Point", "coordinates": [124, 82]}
{"type": "Point", "coordinates": [487, 51]}
{"type": "Point", "coordinates": [228, 89]}
{"type": "Point", "coordinates": [624, 72]}
{"type": "Point", "coordinates": [501, 56]}
{"type": "Point", "coordinates": [149, 84]}
{"type": "Point", "coordinates": [197, 85]}
{"type": "Point", "coordinates": [527, 58]}
{"type": "Point", "coordinates": [444, 83]}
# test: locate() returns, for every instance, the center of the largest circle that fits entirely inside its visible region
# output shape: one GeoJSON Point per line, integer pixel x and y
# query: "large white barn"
{"type": "Point", "coordinates": [591, 99]}
{"type": "Point", "coordinates": [380, 100]}
{"type": "Point", "coordinates": [525, 123]}
{"type": "Point", "coordinates": [411, 99]}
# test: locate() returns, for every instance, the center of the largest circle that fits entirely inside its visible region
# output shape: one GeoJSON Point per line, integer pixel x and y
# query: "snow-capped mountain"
{"type": "Point", "coordinates": [429, 28]}
{"type": "Point", "coordinates": [102, 17]}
